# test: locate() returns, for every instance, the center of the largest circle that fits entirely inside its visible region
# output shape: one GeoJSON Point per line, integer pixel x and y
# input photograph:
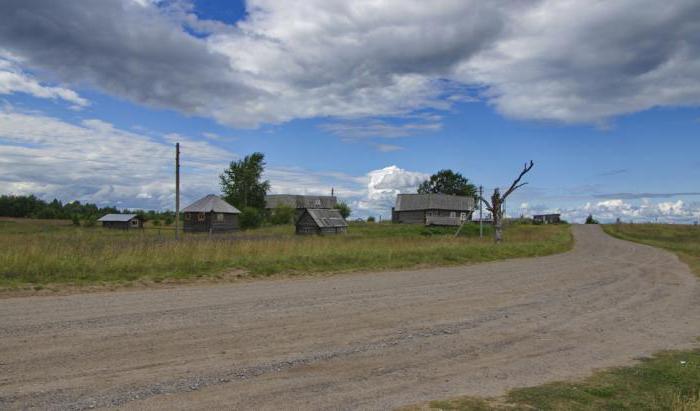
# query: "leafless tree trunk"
{"type": "Point", "coordinates": [495, 207]}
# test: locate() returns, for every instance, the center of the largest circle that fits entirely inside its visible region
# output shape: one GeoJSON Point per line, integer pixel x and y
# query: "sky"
{"type": "Point", "coordinates": [367, 98]}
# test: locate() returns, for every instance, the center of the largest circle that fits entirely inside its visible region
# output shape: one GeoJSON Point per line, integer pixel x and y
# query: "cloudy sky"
{"type": "Point", "coordinates": [366, 97]}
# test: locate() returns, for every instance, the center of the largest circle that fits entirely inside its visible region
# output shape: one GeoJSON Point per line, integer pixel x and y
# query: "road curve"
{"type": "Point", "coordinates": [371, 341]}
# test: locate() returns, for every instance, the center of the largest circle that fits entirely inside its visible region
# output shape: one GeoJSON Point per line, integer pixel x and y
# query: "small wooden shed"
{"type": "Point", "coordinates": [321, 221]}
{"type": "Point", "coordinates": [547, 218]}
{"type": "Point", "coordinates": [121, 221]}
{"type": "Point", "coordinates": [211, 214]}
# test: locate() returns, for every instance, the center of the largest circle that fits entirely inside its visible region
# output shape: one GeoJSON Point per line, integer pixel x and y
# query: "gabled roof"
{"type": "Point", "coordinates": [325, 218]}
{"type": "Point", "coordinates": [410, 202]}
{"type": "Point", "coordinates": [211, 203]}
{"type": "Point", "coordinates": [300, 201]}
{"type": "Point", "coordinates": [117, 217]}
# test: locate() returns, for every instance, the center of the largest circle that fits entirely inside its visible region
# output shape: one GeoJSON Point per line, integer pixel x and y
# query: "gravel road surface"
{"type": "Point", "coordinates": [370, 341]}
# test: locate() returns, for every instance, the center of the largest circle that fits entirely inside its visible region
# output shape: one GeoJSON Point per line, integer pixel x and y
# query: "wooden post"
{"type": "Point", "coordinates": [177, 190]}
{"type": "Point", "coordinates": [481, 213]}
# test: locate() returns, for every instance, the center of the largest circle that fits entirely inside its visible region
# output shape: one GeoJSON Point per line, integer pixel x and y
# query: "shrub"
{"type": "Point", "coordinates": [282, 214]}
{"type": "Point", "coordinates": [169, 220]}
{"type": "Point", "coordinates": [591, 220]}
{"type": "Point", "coordinates": [344, 209]}
{"type": "Point", "coordinates": [250, 217]}
{"type": "Point", "coordinates": [75, 219]}
{"type": "Point", "coordinates": [156, 223]}
{"type": "Point", "coordinates": [90, 221]}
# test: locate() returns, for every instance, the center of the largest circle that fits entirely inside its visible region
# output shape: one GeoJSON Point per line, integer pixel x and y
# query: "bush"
{"type": "Point", "coordinates": [282, 214]}
{"type": "Point", "coordinates": [370, 219]}
{"type": "Point", "coordinates": [90, 221]}
{"type": "Point", "coordinates": [250, 218]}
{"type": "Point", "coordinates": [344, 209]}
{"type": "Point", "coordinates": [591, 220]}
{"type": "Point", "coordinates": [75, 219]}
{"type": "Point", "coordinates": [156, 223]}
{"type": "Point", "coordinates": [169, 220]}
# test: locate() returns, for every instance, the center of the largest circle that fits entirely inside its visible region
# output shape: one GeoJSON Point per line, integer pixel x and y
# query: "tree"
{"type": "Point", "coordinates": [282, 214]}
{"type": "Point", "coordinates": [495, 207]}
{"type": "Point", "coordinates": [344, 209]}
{"type": "Point", "coordinates": [448, 182]}
{"type": "Point", "coordinates": [591, 220]}
{"type": "Point", "coordinates": [250, 217]}
{"type": "Point", "coordinates": [241, 184]}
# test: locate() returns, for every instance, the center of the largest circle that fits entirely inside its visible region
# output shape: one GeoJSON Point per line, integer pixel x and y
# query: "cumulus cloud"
{"type": "Point", "coordinates": [384, 184]}
{"type": "Point", "coordinates": [14, 80]}
{"type": "Point", "coordinates": [572, 61]}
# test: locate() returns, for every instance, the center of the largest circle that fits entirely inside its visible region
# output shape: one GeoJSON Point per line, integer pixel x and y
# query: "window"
{"type": "Point", "coordinates": [317, 203]}
{"type": "Point", "coordinates": [463, 216]}
{"type": "Point", "coordinates": [453, 214]}
{"type": "Point", "coordinates": [200, 216]}
{"type": "Point", "coordinates": [220, 217]}
{"type": "Point", "coordinates": [188, 216]}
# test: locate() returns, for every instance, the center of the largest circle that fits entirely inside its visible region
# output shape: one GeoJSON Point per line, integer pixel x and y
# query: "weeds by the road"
{"type": "Point", "coordinates": [668, 381]}
{"type": "Point", "coordinates": [684, 240]}
{"type": "Point", "coordinates": [37, 253]}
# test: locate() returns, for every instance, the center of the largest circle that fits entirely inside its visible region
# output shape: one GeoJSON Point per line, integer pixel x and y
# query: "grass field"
{"type": "Point", "coordinates": [684, 240]}
{"type": "Point", "coordinates": [40, 252]}
{"type": "Point", "coordinates": [668, 381]}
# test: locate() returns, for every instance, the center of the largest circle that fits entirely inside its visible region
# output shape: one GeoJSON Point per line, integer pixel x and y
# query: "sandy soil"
{"type": "Point", "coordinates": [371, 341]}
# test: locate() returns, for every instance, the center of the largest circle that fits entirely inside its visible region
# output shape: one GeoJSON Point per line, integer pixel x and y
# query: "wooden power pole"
{"type": "Point", "coordinates": [481, 213]}
{"type": "Point", "coordinates": [177, 190]}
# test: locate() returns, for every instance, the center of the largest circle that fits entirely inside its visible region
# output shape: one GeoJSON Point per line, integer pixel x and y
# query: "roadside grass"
{"type": "Point", "coordinates": [684, 240]}
{"type": "Point", "coordinates": [34, 253]}
{"type": "Point", "coordinates": [667, 381]}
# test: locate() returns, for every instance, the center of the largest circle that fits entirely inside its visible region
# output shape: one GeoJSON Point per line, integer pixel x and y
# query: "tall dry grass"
{"type": "Point", "coordinates": [38, 254]}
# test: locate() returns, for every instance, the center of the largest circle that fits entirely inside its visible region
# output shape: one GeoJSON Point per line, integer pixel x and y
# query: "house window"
{"type": "Point", "coordinates": [200, 217]}
{"type": "Point", "coordinates": [188, 216]}
{"type": "Point", "coordinates": [428, 213]}
{"type": "Point", "coordinates": [220, 217]}
{"type": "Point", "coordinates": [453, 214]}
{"type": "Point", "coordinates": [463, 216]}
{"type": "Point", "coordinates": [317, 203]}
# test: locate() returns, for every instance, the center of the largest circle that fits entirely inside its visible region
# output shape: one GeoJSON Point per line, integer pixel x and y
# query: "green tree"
{"type": "Point", "coordinates": [241, 182]}
{"type": "Point", "coordinates": [447, 182]}
{"type": "Point", "coordinates": [250, 217]}
{"type": "Point", "coordinates": [282, 214]}
{"type": "Point", "coordinates": [344, 209]}
{"type": "Point", "coordinates": [591, 220]}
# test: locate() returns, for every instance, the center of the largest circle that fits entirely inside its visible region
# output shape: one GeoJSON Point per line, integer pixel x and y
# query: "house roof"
{"type": "Point", "coordinates": [300, 201]}
{"type": "Point", "coordinates": [546, 215]}
{"type": "Point", "coordinates": [327, 218]}
{"type": "Point", "coordinates": [211, 203]}
{"type": "Point", "coordinates": [410, 202]}
{"type": "Point", "coordinates": [117, 217]}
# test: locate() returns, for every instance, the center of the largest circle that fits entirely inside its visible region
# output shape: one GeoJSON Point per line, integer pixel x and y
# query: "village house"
{"type": "Point", "coordinates": [211, 214]}
{"type": "Point", "coordinates": [121, 221]}
{"type": "Point", "coordinates": [432, 209]}
{"type": "Point", "coordinates": [321, 221]}
{"type": "Point", "coordinates": [299, 202]}
{"type": "Point", "coordinates": [546, 218]}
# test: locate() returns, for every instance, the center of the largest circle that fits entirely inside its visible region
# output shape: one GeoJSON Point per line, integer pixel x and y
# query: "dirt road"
{"type": "Point", "coordinates": [374, 340]}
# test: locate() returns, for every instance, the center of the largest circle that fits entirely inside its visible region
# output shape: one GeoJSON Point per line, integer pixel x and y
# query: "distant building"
{"type": "Point", "coordinates": [121, 221]}
{"type": "Point", "coordinates": [547, 218]}
{"type": "Point", "coordinates": [211, 214]}
{"type": "Point", "coordinates": [432, 209]}
{"type": "Point", "coordinates": [321, 221]}
{"type": "Point", "coordinates": [299, 202]}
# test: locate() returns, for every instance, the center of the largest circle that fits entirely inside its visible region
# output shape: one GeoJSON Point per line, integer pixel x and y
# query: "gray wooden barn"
{"type": "Point", "coordinates": [299, 202]}
{"type": "Point", "coordinates": [321, 221]}
{"type": "Point", "coordinates": [121, 221]}
{"type": "Point", "coordinates": [211, 214]}
{"type": "Point", "coordinates": [432, 209]}
{"type": "Point", "coordinates": [547, 218]}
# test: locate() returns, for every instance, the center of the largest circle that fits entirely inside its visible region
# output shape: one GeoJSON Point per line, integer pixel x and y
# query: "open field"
{"type": "Point", "coordinates": [684, 240]}
{"type": "Point", "coordinates": [40, 252]}
{"type": "Point", "coordinates": [374, 340]}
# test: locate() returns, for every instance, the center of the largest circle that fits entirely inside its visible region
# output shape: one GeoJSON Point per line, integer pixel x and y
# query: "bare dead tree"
{"type": "Point", "coordinates": [495, 207]}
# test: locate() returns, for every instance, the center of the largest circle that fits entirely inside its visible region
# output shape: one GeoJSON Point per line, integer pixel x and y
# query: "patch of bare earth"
{"type": "Point", "coordinates": [373, 340]}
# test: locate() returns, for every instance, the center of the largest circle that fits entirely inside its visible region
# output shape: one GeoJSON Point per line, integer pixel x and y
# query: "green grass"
{"type": "Point", "coordinates": [34, 252]}
{"type": "Point", "coordinates": [684, 240]}
{"type": "Point", "coordinates": [668, 381]}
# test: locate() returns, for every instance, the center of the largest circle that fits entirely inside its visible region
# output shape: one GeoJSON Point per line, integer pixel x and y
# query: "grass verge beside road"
{"type": "Point", "coordinates": [36, 253]}
{"type": "Point", "coordinates": [668, 381]}
{"type": "Point", "coordinates": [684, 240]}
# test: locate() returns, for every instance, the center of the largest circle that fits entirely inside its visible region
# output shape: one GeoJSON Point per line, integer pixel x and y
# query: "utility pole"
{"type": "Point", "coordinates": [481, 213]}
{"type": "Point", "coordinates": [177, 190]}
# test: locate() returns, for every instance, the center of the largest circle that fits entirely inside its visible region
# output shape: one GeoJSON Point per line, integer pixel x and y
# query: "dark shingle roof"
{"type": "Point", "coordinates": [409, 202]}
{"type": "Point", "coordinates": [117, 217]}
{"type": "Point", "coordinates": [211, 203]}
{"type": "Point", "coordinates": [326, 218]}
{"type": "Point", "coordinates": [300, 201]}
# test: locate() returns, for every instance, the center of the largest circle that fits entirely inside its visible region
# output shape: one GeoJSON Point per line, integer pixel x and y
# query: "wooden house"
{"type": "Point", "coordinates": [211, 214]}
{"type": "Point", "coordinates": [546, 218]}
{"type": "Point", "coordinates": [321, 221]}
{"type": "Point", "coordinates": [299, 202]}
{"type": "Point", "coordinates": [432, 209]}
{"type": "Point", "coordinates": [121, 221]}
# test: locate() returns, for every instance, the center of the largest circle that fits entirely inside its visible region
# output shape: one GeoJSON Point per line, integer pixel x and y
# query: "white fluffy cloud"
{"type": "Point", "coordinates": [564, 61]}
{"type": "Point", "coordinates": [384, 184]}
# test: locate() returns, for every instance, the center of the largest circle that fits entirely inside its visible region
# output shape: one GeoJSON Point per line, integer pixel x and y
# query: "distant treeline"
{"type": "Point", "coordinates": [33, 207]}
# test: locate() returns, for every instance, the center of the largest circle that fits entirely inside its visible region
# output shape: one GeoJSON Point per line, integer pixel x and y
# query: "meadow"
{"type": "Point", "coordinates": [36, 253]}
{"type": "Point", "coordinates": [684, 240]}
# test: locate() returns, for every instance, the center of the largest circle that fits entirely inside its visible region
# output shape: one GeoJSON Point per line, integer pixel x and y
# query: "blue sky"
{"type": "Point", "coordinates": [366, 98]}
